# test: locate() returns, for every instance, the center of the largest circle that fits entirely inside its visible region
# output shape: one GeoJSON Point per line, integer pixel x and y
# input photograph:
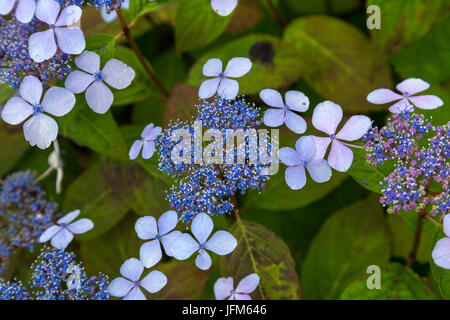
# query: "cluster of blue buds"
{"type": "Point", "coordinates": [108, 4]}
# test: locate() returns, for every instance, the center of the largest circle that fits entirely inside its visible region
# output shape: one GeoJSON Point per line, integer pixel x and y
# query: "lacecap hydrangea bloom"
{"type": "Point", "coordinates": [224, 288]}
{"type": "Point", "coordinates": [24, 214]}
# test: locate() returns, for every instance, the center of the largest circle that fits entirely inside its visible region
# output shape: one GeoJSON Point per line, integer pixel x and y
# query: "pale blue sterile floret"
{"type": "Point", "coordinates": [23, 9]}
{"type": "Point", "coordinates": [221, 242]}
{"type": "Point", "coordinates": [146, 143]}
{"type": "Point", "coordinates": [224, 288]}
{"type": "Point", "coordinates": [224, 7]}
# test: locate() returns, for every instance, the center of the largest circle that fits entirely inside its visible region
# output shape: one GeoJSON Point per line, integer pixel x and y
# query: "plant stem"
{"type": "Point", "coordinates": [416, 242]}
{"type": "Point", "coordinates": [276, 14]}
{"type": "Point", "coordinates": [433, 221]}
{"type": "Point", "coordinates": [139, 55]}
{"type": "Point", "coordinates": [235, 209]}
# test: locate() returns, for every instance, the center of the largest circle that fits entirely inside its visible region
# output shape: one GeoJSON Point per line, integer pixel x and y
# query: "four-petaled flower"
{"type": "Point", "coordinates": [221, 242]}
{"type": "Point", "coordinates": [226, 88]}
{"type": "Point", "coordinates": [303, 156]}
{"type": "Point", "coordinates": [146, 144]}
{"type": "Point", "coordinates": [295, 101]}
{"type": "Point", "coordinates": [24, 10]}
{"type": "Point", "coordinates": [39, 130]}
{"type": "Point", "coordinates": [326, 118]}
{"type": "Point", "coordinates": [98, 96]}
{"type": "Point", "coordinates": [146, 229]}
{"type": "Point", "coordinates": [62, 233]}
{"type": "Point", "coordinates": [223, 288]}
{"type": "Point", "coordinates": [408, 88]}
{"type": "Point", "coordinates": [42, 45]}
{"type": "Point", "coordinates": [223, 7]}
{"type": "Point", "coordinates": [129, 285]}
{"type": "Point", "coordinates": [441, 252]}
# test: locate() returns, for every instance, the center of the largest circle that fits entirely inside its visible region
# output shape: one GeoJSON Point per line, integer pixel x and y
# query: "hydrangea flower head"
{"type": "Point", "coordinates": [146, 144]}
{"type": "Point", "coordinates": [62, 233]}
{"type": "Point", "coordinates": [147, 229]}
{"type": "Point", "coordinates": [70, 40]}
{"type": "Point", "coordinates": [24, 9]}
{"type": "Point", "coordinates": [284, 112]}
{"type": "Point", "coordinates": [326, 118]}
{"type": "Point", "coordinates": [92, 80]}
{"type": "Point", "coordinates": [303, 156]}
{"type": "Point", "coordinates": [223, 7]}
{"type": "Point", "coordinates": [39, 130]}
{"type": "Point", "coordinates": [441, 252]}
{"type": "Point", "coordinates": [129, 286]}
{"type": "Point", "coordinates": [408, 89]}
{"type": "Point", "coordinates": [221, 242]}
{"type": "Point", "coordinates": [225, 87]}
{"type": "Point", "coordinates": [223, 288]}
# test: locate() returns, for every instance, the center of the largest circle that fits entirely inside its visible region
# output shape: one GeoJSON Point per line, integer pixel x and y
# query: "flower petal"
{"type": "Point", "coordinates": [183, 247]}
{"type": "Point", "coordinates": [150, 253]}
{"type": "Point", "coordinates": [212, 68]}
{"type": "Point", "coordinates": [132, 269]}
{"type": "Point", "coordinates": [441, 253]}
{"type": "Point", "coordinates": [382, 96]}
{"type": "Point", "coordinates": [77, 81]}
{"type": "Point", "coordinates": [248, 284]}
{"type": "Point", "coordinates": [135, 149]}
{"type": "Point", "coordinates": [401, 106]}
{"type": "Point", "coordinates": [62, 239]}
{"type": "Point", "coordinates": [294, 122]}
{"type": "Point", "coordinates": [223, 288]}
{"type": "Point", "coordinates": [69, 16]}
{"type": "Point", "coordinates": [146, 228]}
{"type": "Point", "coordinates": [221, 242]}
{"type": "Point", "coordinates": [25, 10]}
{"type": "Point", "coordinates": [238, 296]}
{"type": "Point", "coordinates": [412, 86]}
{"type": "Point", "coordinates": [88, 61]}
{"type": "Point", "coordinates": [237, 67]}
{"type": "Point", "coordinates": [340, 157]}
{"type": "Point", "coordinates": [120, 287]}
{"type": "Point", "coordinates": [148, 149]}
{"type": "Point", "coordinates": [228, 89]}
{"type": "Point", "coordinates": [354, 128]}
{"type": "Point", "coordinates": [223, 7]}
{"type": "Point", "coordinates": [42, 45]}
{"type": "Point", "coordinates": [81, 226]}
{"type": "Point", "coordinates": [167, 222]}
{"type": "Point", "coordinates": [47, 11]}
{"type": "Point", "coordinates": [49, 233]}
{"type": "Point", "coordinates": [427, 102]}
{"type": "Point", "coordinates": [274, 117]}
{"type": "Point", "coordinates": [289, 156]}
{"type": "Point", "coordinates": [306, 148]}
{"type": "Point", "coordinates": [108, 17]}
{"type": "Point", "coordinates": [295, 177]}
{"type": "Point", "coordinates": [201, 227]}
{"type": "Point", "coordinates": [40, 130]}
{"type": "Point", "coordinates": [99, 97]}
{"type": "Point", "coordinates": [326, 117]}
{"type": "Point", "coordinates": [58, 101]}
{"type": "Point", "coordinates": [272, 98]}
{"type": "Point", "coordinates": [203, 260]}
{"type": "Point", "coordinates": [31, 90]}
{"type": "Point", "coordinates": [151, 132]}
{"type": "Point", "coordinates": [70, 40]}
{"type": "Point", "coordinates": [6, 6]}
{"type": "Point", "coordinates": [68, 218]}
{"type": "Point", "coordinates": [117, 74]}
{"type": "Point", "coordinates": [296, 100]}
{"type": "Point", "coordinates": [135, 294]}
{"type": "Point", "coordinates": [154, 281]}
{"type": "Point", "coordinates": [319, 170]}
{"type": "Point", "coordinates": [446, 224]}
{"type": "Point", "coordinates": [168, 240]}
{"type": "Point", "coordinates": [208, 88]}
{"type": "Point", "coordinates": [322, 144]}
{"type": "Point", "coordinates": [16, 110]}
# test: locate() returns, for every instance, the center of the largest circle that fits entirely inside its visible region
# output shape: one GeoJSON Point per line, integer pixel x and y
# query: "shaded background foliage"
{"type": "Point", "coordinates": [315, 243]}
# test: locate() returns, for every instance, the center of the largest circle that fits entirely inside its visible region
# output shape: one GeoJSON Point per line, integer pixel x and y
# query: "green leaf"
{"type": "Point", "coordinates": [441, 275]}
{"type": "Point", "coordinates": [196, 25]}
{"type": "Point", "coordinates": [12, 145]}
{"type": "Point", "coordinates": [427, 57]}
{"type": "Point", "coordinates": [181, 103]}
{"type": "Point", "coordinates": [141, 7]}
{"type": "Point", "coordinates": [283, 70]}
{"type": "Point", "coordinates": [96, 131]}
{"type": "Point", "coordinates": [349, 241]}
{"type": "Point", "coordinates": [342, 73]}
{"type": "Point", "coordinates": [103, 44]}
{"type": "Point", "coordinates": [260, 251]}
{"type": "Point", "coordinates": [404, 21]}
{"type": "Point", "coordinates": [335, 7]}
{"type": "Point", "coordinates": [397, 283]}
